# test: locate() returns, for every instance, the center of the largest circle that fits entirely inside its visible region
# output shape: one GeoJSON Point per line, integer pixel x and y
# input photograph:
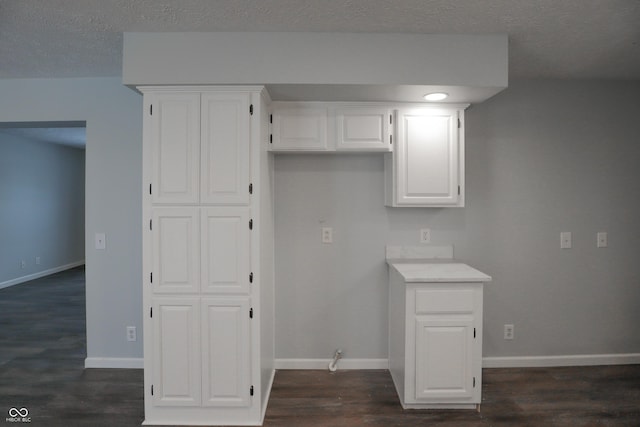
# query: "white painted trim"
{"type": "Point", "coordinates": [324, 364]}
{"type": "Point", "coordinates": [40, 274]}
{"type": "Point", "coordinates": [114, 362]}
{"type": "Point", "coordinates": [567, 360]}
{"type": "Point", "coordinates": [265, 399]}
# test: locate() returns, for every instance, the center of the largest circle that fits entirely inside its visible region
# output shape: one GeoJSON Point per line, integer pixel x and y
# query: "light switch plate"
{"type": "Point", "coordinates": [101, 242]}
{"type": "Point", "coordinates": [425, 235]}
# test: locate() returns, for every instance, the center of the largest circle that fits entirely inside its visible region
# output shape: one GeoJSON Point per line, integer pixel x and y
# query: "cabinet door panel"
{"type": "Point", "coordinates": [226, 250]}
{"type": "Point", "coordinates": [175, 144]}
{"type": "Point", "coordinates": [301, 128]}
{"type": "Point", "coordinates": [226, 355]}
{"type": "Point", "coordinates": [444, 349]}
{"type": "Point", "coordinates": [225, 148]}
{"type": "Point", "coordinates": [427, 158]}
{"type": "Point", "coordinates": [176, 357]}
{"type": "Point", "coordinates": [364, 129]}
{"type": "Point", "coordinates": [176, 250]}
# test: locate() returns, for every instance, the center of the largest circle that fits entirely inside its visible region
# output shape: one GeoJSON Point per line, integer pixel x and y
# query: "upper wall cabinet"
{"type": "Point", "coordinates": [427, 168]}
{"type": "Point", "coordinates": [200, 146]}
{"type": "Point", "coordinates": [329, 127]}
{"type": "Point", "coordinates": [363, 129]}
{"type": "Point", "coordinates": [299, 127]}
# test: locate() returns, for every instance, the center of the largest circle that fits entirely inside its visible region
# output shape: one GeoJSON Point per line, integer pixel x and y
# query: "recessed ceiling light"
{"type": "Point", "coordinates": [436, 96]}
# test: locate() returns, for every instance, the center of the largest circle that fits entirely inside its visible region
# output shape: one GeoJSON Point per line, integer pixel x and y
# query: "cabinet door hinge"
{"type": "Point", "coordinates": [151, 276]}
{"type": "Point", "coordinates": [150, 189]}
{"type": "Point", "coordinates": [251, 109]}
{"type": "Point", "coordinates": [151, 312]}
{"type": "Point", "coordinates": [251, 313]}
{"type": "Point", "coordinates": [390, 119]}
{"type": "Point", "coordinates": [474, 382]}
{"type": "Point", "coordinates": [251, 188]}
{"type": "Point", "coordinates": [150, 224]}
{"type": "Point", "coordinates": [251, 277]}
{"type": "Point", "coordinates": [390, 139]}
{"type": "Point", "coordinates": [458, 190]}
{"type": "Point", "coordinates": [270, 138]}
{"type": "Point", "coordinates": [459, 124]}
{"type": "Point", "coordinates": [251, 391]}
{"type": "Point", "coordinates": [151, 389]}
{"type": "Point", "coordinates": [474, 332]}
{"type": "Point", "coordinates": [270, 118]}
{"type": "Point", "coordinates": [251, 224]}
{"type": "Point", "coordinates": [151, 110]}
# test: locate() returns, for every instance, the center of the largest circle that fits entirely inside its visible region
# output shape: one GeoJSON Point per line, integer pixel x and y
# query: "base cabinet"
{"type": "Point", "coordinates": [435, 343]}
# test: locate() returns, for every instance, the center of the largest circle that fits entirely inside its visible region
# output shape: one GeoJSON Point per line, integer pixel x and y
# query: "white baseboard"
{"type": "Point", "coordinates": [114, 362]}
{"type": "Point", "coordinates": [569, 360]}
{"type": "Point", "coordinates": [40, 274]}
{"type": "Point", "coordinates": [324, 364]}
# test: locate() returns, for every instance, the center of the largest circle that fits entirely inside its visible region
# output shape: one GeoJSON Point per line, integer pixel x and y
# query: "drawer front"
{"type": "Point", "coordinates": [439, 301]}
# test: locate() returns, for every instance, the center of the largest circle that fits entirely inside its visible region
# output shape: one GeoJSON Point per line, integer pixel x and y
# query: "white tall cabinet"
{"type": "Point", "coordinates": [207, 255]}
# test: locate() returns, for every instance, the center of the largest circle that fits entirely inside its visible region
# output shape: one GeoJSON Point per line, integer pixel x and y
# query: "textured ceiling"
{"type": "Point", "coordinates": [548, 38]}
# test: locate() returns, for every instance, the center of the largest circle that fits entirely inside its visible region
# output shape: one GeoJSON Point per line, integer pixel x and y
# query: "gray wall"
{"type": "Point", "coordinates": [113, 114]}
{"type": "Point", "coordinates": [542, 157]}
{"type": "Point", "coordinates": [41, 206]}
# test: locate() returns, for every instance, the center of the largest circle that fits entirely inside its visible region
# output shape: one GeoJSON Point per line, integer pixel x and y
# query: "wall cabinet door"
{"type": "Point", "coordinates": [226, 250]}
{"type": "Point", "coordinates": [363, 129]}
{"type": "Point", "coordinates": [428, 167]}
{"type": "Point", "coordinates": [176, 355]}
{"type": "Point", "coordinates": [176, 250]}
{"type": "Point", "coordinates": [444, 359]}
{"type": "Point", "coordinates": [300, 128]}
{"type": "Point", "coordinates": [175, 136]}
{"type": "Point", "coordinates": [226, 370]}
{"type": "Point", "coordinates": [225, 148]}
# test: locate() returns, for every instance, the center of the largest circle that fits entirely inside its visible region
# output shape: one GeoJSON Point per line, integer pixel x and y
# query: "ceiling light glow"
{"type": "Point", "coordinates": [436, 96]}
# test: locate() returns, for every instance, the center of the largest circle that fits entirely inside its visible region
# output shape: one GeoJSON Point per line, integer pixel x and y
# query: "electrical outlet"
{"type": "Point", "coordinates": [23, 264]}
{"type": "Point", "coordinates": [508, 332]}
{"type": "Point", "coordinates": [565, 240]}
{"type": "Point", "coordinates": [131, 333]}
{"type": "Point", "coordinates": [327, 235]}
{"type": "Point", "coordinates": [425, 235]}
{"type": "Point", "coordinates": [37, 260]}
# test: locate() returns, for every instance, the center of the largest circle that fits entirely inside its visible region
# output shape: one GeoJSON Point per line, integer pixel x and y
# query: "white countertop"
{"type": "Point", "coordinates": [439, 272]}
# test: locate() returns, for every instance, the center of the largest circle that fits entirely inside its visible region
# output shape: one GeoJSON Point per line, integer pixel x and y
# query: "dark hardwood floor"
{"type": "Point", "coordinates": [42, 351]}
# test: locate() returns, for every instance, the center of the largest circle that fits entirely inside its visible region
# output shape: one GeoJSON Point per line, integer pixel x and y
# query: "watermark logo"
{"type": "Point", "coordinates": [18, 415]}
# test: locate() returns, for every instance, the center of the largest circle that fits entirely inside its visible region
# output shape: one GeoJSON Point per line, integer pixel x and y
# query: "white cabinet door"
{"type": "Point", "coordinates": [363, 129]}
{"type": "Point", "coordinates": [444, 359]}
{"type": "Point", "coordinates": [176, 355]}
{"type": "Point", "coordinates": [428, 165]}
{"type": "Point", "coordinates": [176, 250]}
{"type": "Point", "coordinates": [175, 141]}
{"type": "Point", "coordinates": [300, 128]}
{"type": "Point", "coordinates": [226, 370]}
{"type": "Point", "coordinates": [226, 250]}
{"type": "Point", "coordinates": [225, 148]}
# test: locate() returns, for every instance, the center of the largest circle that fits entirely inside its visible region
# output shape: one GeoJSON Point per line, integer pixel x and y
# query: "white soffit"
{"type": "Point", "coordinates": [324, 66]}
